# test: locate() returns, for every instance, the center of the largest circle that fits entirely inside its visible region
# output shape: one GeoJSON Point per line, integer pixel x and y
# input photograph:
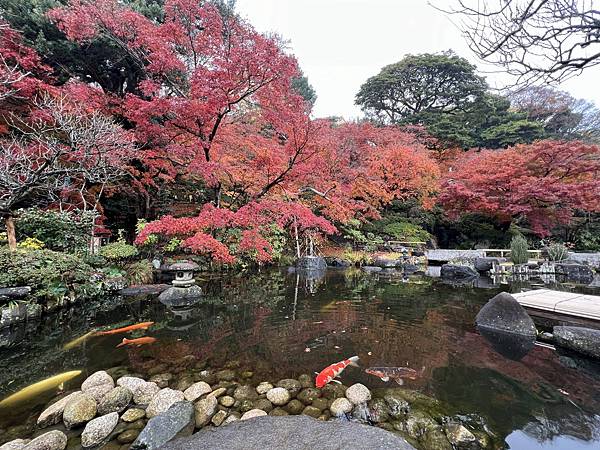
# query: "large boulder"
{"type": "Point", "coordinates": [458, 274]}
{"type": "Point", "coordinates": [177, 421]}
{"type": "Point", "coordinates": [290, 433]}
{"type": "Point", "coordinates": [504, 313]}
{"type": "Point", "coordinates": [14, 293]}
{"type": "Point", "coordinates": [311, 263]}
{"type": "Point", "coordinates": [486, 264]}
{"type": "Point", "coordinates": [333, 261]}
{"type": "Point", "coordinates": [582, 340]}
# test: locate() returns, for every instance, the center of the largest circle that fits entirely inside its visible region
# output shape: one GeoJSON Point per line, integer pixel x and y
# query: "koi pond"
{"type": "Point", "coordinates": [279, 324]}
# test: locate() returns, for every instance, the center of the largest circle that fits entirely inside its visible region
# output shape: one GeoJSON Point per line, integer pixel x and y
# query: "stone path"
{"type": "Point", "coordinates": [569, 303]}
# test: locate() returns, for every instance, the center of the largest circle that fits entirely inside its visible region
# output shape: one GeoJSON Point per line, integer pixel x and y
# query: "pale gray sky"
{"type": "Point", "coordinates": [340, 43]}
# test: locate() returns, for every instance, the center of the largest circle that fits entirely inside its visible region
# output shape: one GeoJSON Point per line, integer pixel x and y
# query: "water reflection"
{"type": "Point", "coordinates": [282, 324]}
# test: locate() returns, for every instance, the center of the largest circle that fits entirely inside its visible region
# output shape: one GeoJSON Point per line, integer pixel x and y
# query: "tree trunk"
{"type": "Point", "coordinates": [10, 233]}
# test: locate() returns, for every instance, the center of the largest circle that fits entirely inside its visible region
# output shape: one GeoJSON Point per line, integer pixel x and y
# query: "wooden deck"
{"type": "Point", "coordinates": [563, 303]}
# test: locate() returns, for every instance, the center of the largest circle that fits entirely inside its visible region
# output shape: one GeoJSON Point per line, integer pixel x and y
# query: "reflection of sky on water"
{"type": "Point", "coordinates": [518, 440]}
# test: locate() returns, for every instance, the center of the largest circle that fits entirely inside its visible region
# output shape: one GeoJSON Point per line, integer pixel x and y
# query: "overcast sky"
{"type": "Point", "coordinates": [340, 43]}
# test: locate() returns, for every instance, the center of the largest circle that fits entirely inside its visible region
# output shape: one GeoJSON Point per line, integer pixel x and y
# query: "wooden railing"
{"type": "Point", "coordinates": [535, 255]}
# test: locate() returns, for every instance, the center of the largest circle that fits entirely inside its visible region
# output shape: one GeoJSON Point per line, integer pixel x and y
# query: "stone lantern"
{"type": "Point", "coordinates": [184, 273]}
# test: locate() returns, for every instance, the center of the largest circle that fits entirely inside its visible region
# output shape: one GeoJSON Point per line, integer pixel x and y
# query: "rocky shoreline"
{"type": "Point", "coordinates": [117, 410]}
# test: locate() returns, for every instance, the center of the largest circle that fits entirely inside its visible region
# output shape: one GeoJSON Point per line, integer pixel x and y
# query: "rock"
{"type": "Point", "coordinates": [311, 263]}
{"type": "Point", "coordinates": [306, 381]}
{"type": "Point", "coordinates": [227, 401]}
{"type": "Point", "coordinates": [97, 392]}
{"type": "Point", "coordinates": [333, 391]}
{"type": "Point", "coordinates": [340, 407]}
{"type": "Point", "coordinates": [292, 386]}
{"type": "Point", "coordinates": [460, 437]}
{"type": "Point", "coordinates": [53, 414]}
{"type": "Point", "coordinates": [253, 413]}
{"type": "Point", "coordinates": [294, 407]}
{"type": "Point", "coordinates": [510, 345]}
{"type": "Point", "coordinates": [217, 392]}
{"type": "Point", "coordinates": [128, 436]}
{"type": "Point", "coordinates": [230, 419]}
{"type": "Point", "coordinates": [205, 409]}
{"type": "Point", "coordinates": [486, 264]}
{"type": "Point", "coordinates": [386, 263]}
{"type": "Point", "coordinates": [79, 410]}
{"type": "Point", "coordinates": [97, 379]}
{"type": "Point", "coordinates": [14, 293]}
{"type": "Point", "coordinates": [321, 403]}
{"type": "Point", "coordinates": [115, 401]}
{"type": "Point", "coordinates": [218, 418]}
{"type": "Point", "coordinates": [264, 404]}
{"type": "Point", "coordinates": [264, 387]}
{"type": "Point", "coordinates": [225, 375]}
{"type": "Point", "coordinates": [177, 296]}
{"type": "Point", "coordinates": [278, 396]}
{"type": "Point", "coordinates": [503, 313]}
{"type": "Point", "coordinates": [162, 380]}
{"type": "Point", "coordinates": [358, 393]}
{"type": "Point", "coordinates": [183, 383]}
{"type": "Point", "coordinates": [575, 272]}
{"type": "Point", "coordinates": [378, 410]}
{"type": "Point", "coordinates": [582, 340]}
{"type": "Point", "coordinates": [337, 262]}
{"type": "Point", "coordinates": [245, 405]}
{"type": "Point", "coordinates": [133, 414]}
{"type": "Point", "coordinates": [307, 395]}
{"type": "Point", "coordinates": [291, 433]}
{"type": "Point", "coordinates": [17, 444]}
{"type": "Point", "coordinates": [196, 390]}
{"type": "Point", "coordinates": [163, 401]}
{"type": "Point", "coordinates": [371, 269]}
{"type": "Point", "coordinates": [96, 431]}
{"type": "Point", "coordinates": [144, 394]}
{"type": "Point", "coordinates": [458, 274]}
{"type": "Point", "coordinates": [53, 440]}
{"type": "Point", "coordinates": [245, 393]}
{"type": "Point", "coordinates": [278, 412]}
{"type": "Point", "coordinates": [131, 383]}
{"type": "Point", "coordinates": [398, 408]}
{"type": "Point", "coordinates": [311, 411]}
{"type": "Point", "coordinates": [177, 421]}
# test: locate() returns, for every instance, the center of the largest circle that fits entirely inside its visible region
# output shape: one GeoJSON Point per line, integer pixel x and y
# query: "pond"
{"type": "Point", "coordinates": [280, 325]}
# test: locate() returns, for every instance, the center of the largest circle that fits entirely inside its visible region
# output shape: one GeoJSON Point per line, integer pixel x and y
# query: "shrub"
{"type": "Point", "coordinates": [118, 251]}
{"type": "Point", "coordinates": [406, 231]}
{"type": "Point", "coordinates": [518, 250]}
{"type": "Point", "coordinates": [60, 231]}
{"type": "Point", "coordinates": [140, 272]}
{"type": "Point", "coordinates": [558, 252]}
{"type": "Point", "coordinates": [51, 275]}
{"type": "Point", "coordinates": [357, 258]}
{"type": "Point", "coordinates": [31, 244]}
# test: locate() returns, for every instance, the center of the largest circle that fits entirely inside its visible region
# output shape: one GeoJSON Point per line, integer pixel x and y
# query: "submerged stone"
{"type": "Point", "coordinates": [53, 440]}
{"type": "Point", "coordinates": [99, 429]}
{"type": "Point", "coordinates": [582, 340]}
{"type": "Point", "coordinates": [177, 421]}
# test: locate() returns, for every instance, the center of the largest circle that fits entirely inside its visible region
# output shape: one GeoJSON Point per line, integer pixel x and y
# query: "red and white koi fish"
{"type": "Point", "coordinates": [137, 326]}
{"type": "Point", "coordinates": [328, 374]}
{"type": "Point", "coordinates": [394, 373]}
{"type": "Point", "coordinates": [137, 342]}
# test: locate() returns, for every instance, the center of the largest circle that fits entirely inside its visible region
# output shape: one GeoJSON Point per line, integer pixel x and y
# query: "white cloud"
{"type": "Point", "coordinates": [340, 43]}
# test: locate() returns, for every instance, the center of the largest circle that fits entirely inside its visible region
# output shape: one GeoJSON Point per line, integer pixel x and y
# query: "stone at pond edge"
{"type": "Point", "coordinates": [97, 379]}
{"type": "Point", "coordinates": [218, 418]}
{"type": "Point", "coordinates": [177, 421]}
{"type": "Point", "coordinates": [291, 433]}
{"type": "Point", "coordinates": [294, 407]}
{"type": "Point", "coordinates": [253, 413]}
{"type": "Point", "coordinates": [53, 440]}
{"type": "Point", "coordinates": [307, 395]}
{"type": "Point", "coordinates": [99, 429]}
{"type": "Point", "coordinates": [115, 401]}
{"type": "Point", "coordinates": [17, 444]}
{"type": "Point", "coordinates": [278, 396]}
{"type": "Point", "coordinates": [311, 263]}
{"type": "Point", "coordinates": [504, 313]}
{"type": "Point", "coordinates": [459, 436]}
{"type": "Point", "coordinates": [163, 401]}
{"type": "Point", "coordinates": [245, 393]}
{"type": "Point", "coordinates": [293, 386]}
{"type": "Point", "coordinates": [197, 390]}
{"type": "Point", "coordinates": [459, 274]}
{"type": "Point", "coordinates": [582, 340]}
{"type": "Point", "coordinates": [144, 394]}
{"type": "Point", "coordinates": [128, 436]}
{"type": "Point", "coordinates": [358, 393]}
{"type": "Point", "coordinates": [205, 409]}
{"type": "Point", "coordinates": [510, 345]}
{"type": "Point", "coordinates": [79, 410]}
{"type": "Point", "coordinates": [53, 414]}
{"type": "Point", "coordinates": [133, 414]}
{"type": "Point", "coordinates": [227, 401]}
{"type": "Point", "coordinates": [264, 387]}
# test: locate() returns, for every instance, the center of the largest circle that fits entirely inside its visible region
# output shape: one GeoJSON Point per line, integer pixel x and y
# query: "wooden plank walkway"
{"type": "Point", "coordinates": [566, 303]}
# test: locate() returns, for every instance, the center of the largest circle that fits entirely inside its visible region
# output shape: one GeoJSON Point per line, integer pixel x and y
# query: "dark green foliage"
{"type": "Point", "coordinates": [471, 231]}
{"type": "Point", "coordinates": [140, 272]}
{"type": "Point", "coordinates": [587, 237]}
{"type": "Point", "coordinates": [60, 231]}
{"type": "Point", "coordinates": [405, 231]}
{"type": "Point", "coordinates": [426, 83]}
{"type": "Point", "coordinates": [51, 275]}
{"type": "Point", "coordinates": [305, 89]}
{"type": "Point", "coordinates": [118, 251]}
{"type": "Point", "coordinates": [518, 249]}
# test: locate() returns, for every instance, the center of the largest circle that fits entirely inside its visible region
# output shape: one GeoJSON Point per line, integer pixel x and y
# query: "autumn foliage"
{"type": "Point", "coordinates": [539, 185]}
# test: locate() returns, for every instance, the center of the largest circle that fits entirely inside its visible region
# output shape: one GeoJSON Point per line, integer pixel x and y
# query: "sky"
{"type": "Point", "coordinates": [341, 43]}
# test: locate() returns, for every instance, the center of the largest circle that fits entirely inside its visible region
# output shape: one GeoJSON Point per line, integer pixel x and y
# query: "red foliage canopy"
{"type": "Point", "coordinates": [542, 183]}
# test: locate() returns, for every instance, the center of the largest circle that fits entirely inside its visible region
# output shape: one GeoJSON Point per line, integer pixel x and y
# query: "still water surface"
{"type": "Point", "coordinates": [281, 325]}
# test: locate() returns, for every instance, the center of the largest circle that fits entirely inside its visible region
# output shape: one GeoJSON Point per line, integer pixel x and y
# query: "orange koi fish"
{"type": "Point", "coordinates": [137, 326]}
{"type": "Point", "coordinates": [137, 342]}
{"type": "Point", "coordinates": [330, 372]}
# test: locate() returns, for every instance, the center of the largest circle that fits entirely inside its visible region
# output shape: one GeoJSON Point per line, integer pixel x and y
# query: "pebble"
{"type": "Point", "coordinates": [293, 386]}
{"type": "Point", "coordinates": [306, 381]}
{"type": "Point", "coordinates": [227, 401]}
{"type": "Point", "coordinates": [162, 401]}
{"type": "Point", "coordinates": [253, 413]}
{"type": "Point", "coordinates": [133, 414]}
{"type": "Point", "coordinates": [245, 393]}
{"type": "Point", "coordinates": [311, 411]}
{"type": "Point", "coordinates": [99, 429]}
{"type": "Point", "coordinates": [279, 412]}
{"type": "Point", "coordinates": [53, 440]}
{"type": "Point", "coordinates": [264, 404]}
{"type": "Point", "coordinates": [340, 406]}
{"type": "Point", "coordinates": [131, 383]}
{"type": "Point", "coordinates": [144, 393]}
{"type": "Point", "coordinates": [358, 393]}
{"type": "Point", "coordinates": [264, 387]}
{"type": "Point", "coordinates": [217, 392]}
{"type": "Point", "coordinates": [97, 379]}
{"type": "Point", "coordinates": [115, 401]}
{"type": "Point", "coordinates": [79, 410]}
{"type": "Point", "coordinates": [196, 390]}
{"type": "Point", "coordinates": [128, 436]}
{"type": "Point", "coordinates": [308, 395]}
{"type": "Point", "coordinates": [53, 414]}
{"type": "Point", "coordinates": [17, 444]}
{"type": "Point", "coordinates": [229, 420]}
{"type": "Point", "coordinates": [161, 379]}
{"type": "Point", "coordinates": [278, 396]}
{"type": "Point", "coordinates": [218, 418]}
{"type": "Point", "coordinates": [294, 407]}
{"type": "Point", "coordinates": [225, 375]}
{"type": "Point", "coordinates": [205, 409]}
